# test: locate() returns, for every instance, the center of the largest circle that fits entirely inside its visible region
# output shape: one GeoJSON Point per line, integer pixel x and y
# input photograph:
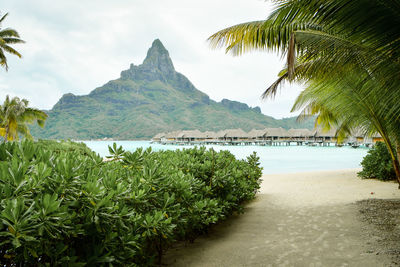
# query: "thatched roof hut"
{"type": "Point", "coordinates": [300, 133]}
{"type": "Point", "coordinates": [235, 133]}
{"type": "Point", "coordinates": [190, 134]}
{"type": "Point", "coordinates": [210, 135]}
{"type": "Point", "coordinates": [232, 134]}
{"type": "Point", "coordinates": [172, 135]}
{"type": "Point", "coordinates": [319, 132]}
{"type": "Point", "coordinates": [253, 134]}
{"type": "Point", "coordinates": [276, 132]}
{"type": "Point", "coordinates": [220, 134]}
{"type": "Point", "coordinates": [158, 137]}
{"type": "Point", "coordinates": [358, 133]}
{"type": "Point", "coordinates": [376, 135]}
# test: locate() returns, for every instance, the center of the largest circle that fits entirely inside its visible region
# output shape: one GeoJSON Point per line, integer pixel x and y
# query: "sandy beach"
{"type": "Point", "coordinates": [325, 218]}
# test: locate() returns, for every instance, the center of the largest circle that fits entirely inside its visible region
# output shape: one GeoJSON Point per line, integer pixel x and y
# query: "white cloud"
{"type": "Point", "coordinates": [76, 46]}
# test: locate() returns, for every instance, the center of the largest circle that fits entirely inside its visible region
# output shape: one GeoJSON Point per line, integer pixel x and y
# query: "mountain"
{"type": "Point", "coordinates": [148, 99]}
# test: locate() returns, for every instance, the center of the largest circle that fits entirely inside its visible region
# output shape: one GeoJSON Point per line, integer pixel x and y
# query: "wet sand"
{"type": "Point", "coordinates": [300, 219]}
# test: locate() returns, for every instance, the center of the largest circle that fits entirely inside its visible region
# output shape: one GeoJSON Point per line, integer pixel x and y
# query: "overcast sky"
{"type": "Point", "coordinates": [74, 46]}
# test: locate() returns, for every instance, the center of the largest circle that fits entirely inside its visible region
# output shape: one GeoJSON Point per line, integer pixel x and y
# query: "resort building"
{"type": "Point", "coordinates": [257, 135]}
{"type": "Point", "coordinates": [171, 136]}
{"type": "Point", "coordinates": [321, 135]}
{"type": "Point", "coordinates": [276, 134]}
{"type": "Point", "coordinates": [235, 135]}
{"type": "Point", "coordinates": [377, 138]}
{"type": "Point", "coordinates": [158, 137]}
{"type": "Point", "coordinates": [300, 135]}
{"type": "Point", "coordinates": [189, 136]}
{"type": "Point", "coordinates": [267, 136]}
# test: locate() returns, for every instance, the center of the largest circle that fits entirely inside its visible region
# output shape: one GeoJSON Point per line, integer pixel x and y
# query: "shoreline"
{"type": "Point", "coordinates": [311, 172]}
{"type": "Point", "coordinates": [317, 218]}
{"type": "Point", "coordinates": [326, 187]}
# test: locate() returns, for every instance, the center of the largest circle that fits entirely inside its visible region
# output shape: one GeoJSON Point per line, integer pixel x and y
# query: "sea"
{"type": "Point", "coordinates": [273, 159]}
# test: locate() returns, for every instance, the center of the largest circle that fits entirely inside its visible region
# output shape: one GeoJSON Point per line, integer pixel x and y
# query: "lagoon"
{"type": "Point", "coordinates": [274, 159]}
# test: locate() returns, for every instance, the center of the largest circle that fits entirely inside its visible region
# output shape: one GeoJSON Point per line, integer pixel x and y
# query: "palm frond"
{"type": "Point", "coordinates": [12, 40]}
{"type": "Point", "coordinates": [3, 18]}
{"type": "Point", "coordinates": [8, 32]}
{"type": "Point", "coordinates": [3, 60]}
{"type": "Point", "coordinates": [24, 130]}
{"type": "Point", "coordinates": [273, 88]}
{"type": "Point", "coordinates": [8, 36]}
{"type": "Point", "coordinates": [256, 35]}
{"type": "Point", "coordinates": [10, 50]}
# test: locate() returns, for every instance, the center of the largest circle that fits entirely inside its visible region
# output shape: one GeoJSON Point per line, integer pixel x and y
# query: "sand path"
{"type": "Point", "coordinates": [303, 219]}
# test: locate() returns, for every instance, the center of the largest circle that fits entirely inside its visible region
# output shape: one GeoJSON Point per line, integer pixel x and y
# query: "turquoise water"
{"type": "Point", "coordinates": [280, 159]}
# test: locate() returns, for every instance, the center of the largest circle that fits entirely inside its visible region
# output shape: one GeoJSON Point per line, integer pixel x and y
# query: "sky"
{"type": "Point", "coordinates": [76, 46]}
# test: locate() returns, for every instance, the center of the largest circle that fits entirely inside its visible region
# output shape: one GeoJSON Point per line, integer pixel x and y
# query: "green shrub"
{"type": "Point", "coordinates": [378, 164]}
{"type": "Point", "coordinates": [64, 207]}
{"type": "Point", "coordinates": [65, 146]}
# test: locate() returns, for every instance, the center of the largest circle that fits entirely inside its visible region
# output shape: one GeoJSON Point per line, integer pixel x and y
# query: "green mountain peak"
{"type": "Point", "coordinates": [158, 57]}
{"type": "Point", "coordinates": [148, 99]}
{"type": "Point", "coordinates": [156, 66]}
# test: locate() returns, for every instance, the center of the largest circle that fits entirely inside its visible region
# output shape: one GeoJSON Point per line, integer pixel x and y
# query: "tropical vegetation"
{"type": "Point", "coordinates": [378, 164]}
{"type": "Point", "coordinates": [8, 36]}
{"type": "Point", "coordinates": [347, 55]}
{"type": "Point", "coordinates": [67, 207]}
{"type": "Point", "coordinates": [15, 115]}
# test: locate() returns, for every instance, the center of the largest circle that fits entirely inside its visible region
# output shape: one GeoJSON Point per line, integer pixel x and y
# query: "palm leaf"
{"type": "Point", "coordinates": [256, 35]}
{"type": "Point", "coordinates": [3, 17]}
{"type": "Point", "coordinates": [8, 32]}
{"type": "Point", "coordinates": [10, 50]}
{"type": "Point", "coordinates": [8, 36]}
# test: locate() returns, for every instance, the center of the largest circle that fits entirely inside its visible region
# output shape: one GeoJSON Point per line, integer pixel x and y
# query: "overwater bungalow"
{"type": "Point", "coordinates": [276, 134]}
{"type": "Point", "coordinates": [220, 135]}
{"type": "Point", "coordinates": [158, 137]}
{"type": "Point", "coordinates": [300, 135]}
{"type": "Point", "coordinates": [359, 137]}
{"type": "Point", "coordinates": [235, 135]}
{"type": "Point", "coordinates": [189, 136]}
{"type": "Point", "coordinates": [172, 136]}
{"type": "Point", "coordinates": [209, 135]}
{"type": "Point", "coordinates": [324, 136]}
{"type": "Point", "coordinates": [376, 138]}
{"type": "Point", "coordinates": [257, 135]}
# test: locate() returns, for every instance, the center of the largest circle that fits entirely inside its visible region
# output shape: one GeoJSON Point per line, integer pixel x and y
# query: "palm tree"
{"type": "Point", "coordinates": [346, 52]}
{"type": "Point", "coordinates": [14, 117]}
{"type": "Point", "coordinates": [8, 36]}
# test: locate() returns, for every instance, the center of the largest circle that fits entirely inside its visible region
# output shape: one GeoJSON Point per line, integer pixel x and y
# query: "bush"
{"type": "Point", "coordinates": [378, 164]}
{"type": "Point", "coordinates": [64, 146]}
{"type": "Point", "coordinates": [62, 207]}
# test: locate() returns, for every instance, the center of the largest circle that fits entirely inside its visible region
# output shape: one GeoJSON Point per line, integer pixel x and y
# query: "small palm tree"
{"type": "Point", "coordinates": [14, 117]}
{"type": "Point", "coordinates": [8, 36]}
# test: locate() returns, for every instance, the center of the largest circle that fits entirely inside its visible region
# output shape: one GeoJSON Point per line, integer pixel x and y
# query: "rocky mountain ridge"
{"type": "Point", "coordinates": [147, 99]}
